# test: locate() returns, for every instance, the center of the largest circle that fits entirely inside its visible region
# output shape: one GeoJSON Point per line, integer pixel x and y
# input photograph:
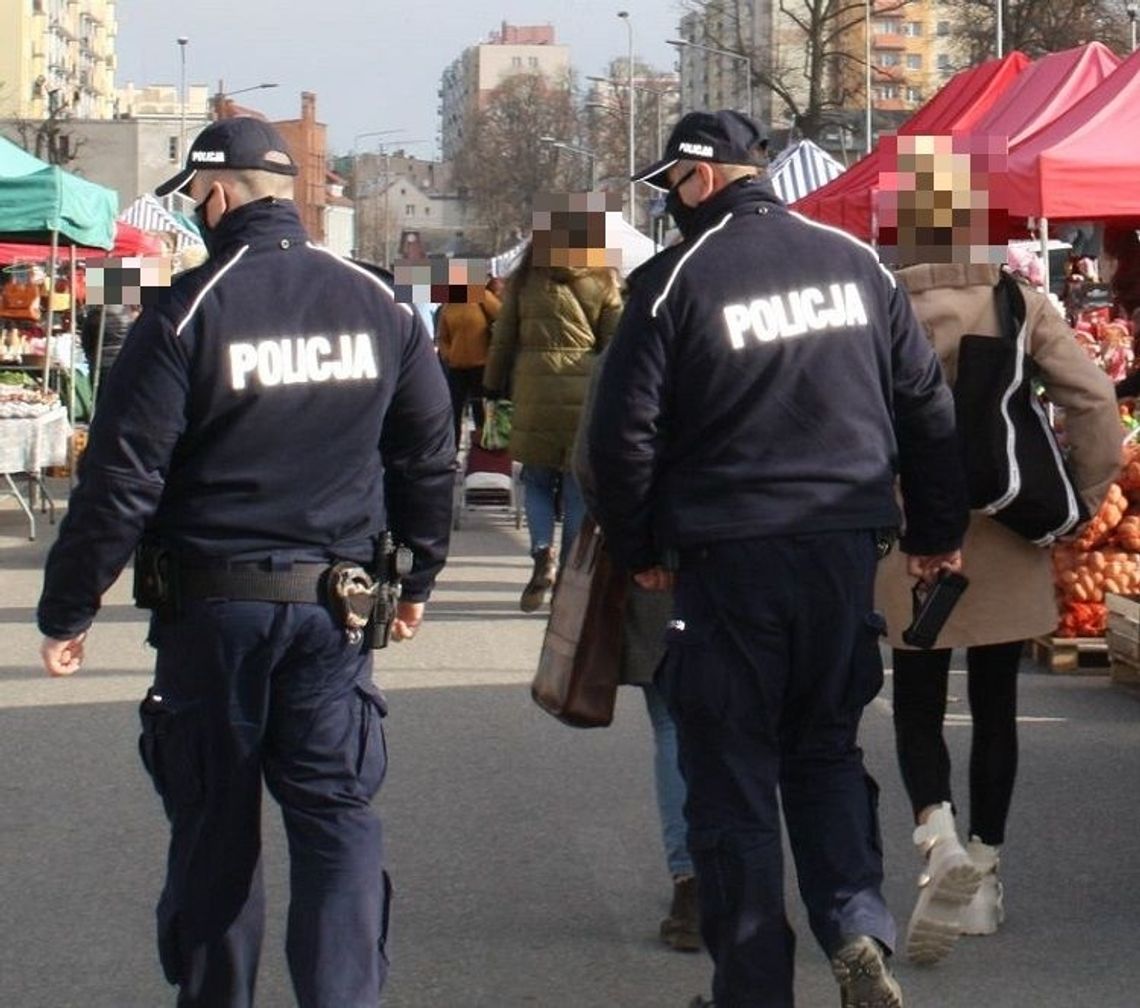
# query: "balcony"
{"type": "Point", "coordinates": [889, 40]}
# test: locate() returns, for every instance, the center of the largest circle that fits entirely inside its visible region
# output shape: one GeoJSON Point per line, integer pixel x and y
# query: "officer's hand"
{"type": "Point", "coordinates": [62, 657]}
{"type": "Point", "coordinates": [655, 579]}
{"type": "Point", "coordinates": [409, 616]}
{"type": "Point", "coordinates": [927, 568]}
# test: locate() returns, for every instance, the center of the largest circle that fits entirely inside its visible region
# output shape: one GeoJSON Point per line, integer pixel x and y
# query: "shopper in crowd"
{"type": "Point", "coordinates": [263, 427]}
{"type": "Point", "coordinates": [463, 336]}
{"type": "Point", "coordinates": [101, 335]}
{"type": "Point", "coordinates": [726, 464]}
{"type": "Point", "coordinates": [560, 307]}
{"type": "Point", "coordinates": [1010, 595]}
{"type": "Point", "coordinates": [642, 648]}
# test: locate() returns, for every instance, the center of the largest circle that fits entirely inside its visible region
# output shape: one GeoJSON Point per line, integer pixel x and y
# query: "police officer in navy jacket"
{"type": "Point", "coordinates": [767, 385]}
{"type": "Point", "coordinates": [275, 415]}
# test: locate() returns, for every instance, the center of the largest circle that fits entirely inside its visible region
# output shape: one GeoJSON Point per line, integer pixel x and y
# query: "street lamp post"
{"type": "Point", "coordinates": [182, 40]}
{"type": "Point", "coordinates": [682, 43]}
{"type": "Point", "coordinates": [658, 94]}
{"type": "Point", "coordinates": [223, 94]}
{"type": "Point", "coordinates": [867, 75]}
{"type": "Point", "coordinates": [999, 13]}
{"type": "Point", "coordinates": [632, 218]}
{"type": "Point", "coordinates": [1132, 8]}
{"type": "Point", "coordinates": [589, 155]}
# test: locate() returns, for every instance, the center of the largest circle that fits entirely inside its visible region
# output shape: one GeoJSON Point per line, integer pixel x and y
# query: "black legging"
{"type": "Point", "coordinates": [920, 682]}
{"type": "Point", "coordinates": [466, 385]}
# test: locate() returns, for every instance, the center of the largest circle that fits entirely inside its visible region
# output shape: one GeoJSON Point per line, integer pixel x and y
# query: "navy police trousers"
{"type": "Point", "coordinates": [242, 691]}
{"type": "Point", "coordinates": [772, 656]}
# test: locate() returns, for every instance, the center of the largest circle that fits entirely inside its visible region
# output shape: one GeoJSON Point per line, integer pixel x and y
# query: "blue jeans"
{"type": "Point", "coordinates": [669, 783]}
{"type": "Point", "coordinates": [542, 484]}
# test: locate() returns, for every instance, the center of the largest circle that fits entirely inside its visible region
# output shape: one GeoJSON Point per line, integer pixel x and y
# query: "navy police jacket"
{"type": "Point", "coordinates": [769, 378]}
{"type": "Point", "coordinates": [277, 404]}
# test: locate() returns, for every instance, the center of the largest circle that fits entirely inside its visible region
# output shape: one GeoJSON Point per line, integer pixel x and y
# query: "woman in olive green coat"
{"type": "Point", "coordinates": [554, 320]}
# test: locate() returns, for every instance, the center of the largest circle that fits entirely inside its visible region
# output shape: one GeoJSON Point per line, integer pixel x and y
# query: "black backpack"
{"type": "Point", "coordinates": [1015, 470]}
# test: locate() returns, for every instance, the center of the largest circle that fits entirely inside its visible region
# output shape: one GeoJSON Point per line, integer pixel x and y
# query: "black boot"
{"type": "Point", "coordinates": [540, 581]}
{"type": "Point", "coordinates": [681, 930]}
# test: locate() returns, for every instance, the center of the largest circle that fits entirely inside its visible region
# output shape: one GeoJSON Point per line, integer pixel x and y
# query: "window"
{"type": "Point", "coordinates": [532, 62]}
{"type": "Point", "coordinates": [516, 62]}
{"type": "Point", "coordinates": [887, 92]}
{"type": "Point", "coordinates": [409, 210]}
{"type": "Point", "coordinates": [888, 59]}
{"type": "Point", "coordinates": [887, 26]}
{"type": "Point", "coordinates": [914, 61]}
{"type": "Point", "coordinates": [427, 211]}
{"type": "Point", "coordinates": [912, 29]}
{"type": "Point", "coordinates": [913, 94]}
{"type": "Point", "coordinates": [172, 149]}
{"type": "Point", "coordinates": [943, 61]}
{"type": "Point", "coordinates": [943, 27]}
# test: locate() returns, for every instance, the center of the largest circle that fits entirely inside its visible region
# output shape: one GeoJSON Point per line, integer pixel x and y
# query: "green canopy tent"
{"type": "Point", "coordinates": [43, 204]}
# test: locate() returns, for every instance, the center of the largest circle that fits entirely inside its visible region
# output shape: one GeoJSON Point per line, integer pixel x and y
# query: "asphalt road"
{"type": "Point", "coordinates": [525, 854]}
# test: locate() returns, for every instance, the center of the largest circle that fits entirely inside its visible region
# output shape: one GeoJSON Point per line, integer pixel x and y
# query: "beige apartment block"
{"type": "Point", "coordinates": [57, 56]}
{"type": "Point", "coordinates": [479, 69]}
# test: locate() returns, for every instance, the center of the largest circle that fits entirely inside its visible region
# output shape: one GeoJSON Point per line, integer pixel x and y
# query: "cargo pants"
{"type": "Point", "coordinates": [251, 690]}
{"type": "Point", "coordinates": [772, 656]}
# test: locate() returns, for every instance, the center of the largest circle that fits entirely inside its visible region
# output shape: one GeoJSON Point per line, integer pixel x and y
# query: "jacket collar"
{"type": "Point", "coordinates": [259, 224]}
{"type": "Point", "coordinates": [743, 196]}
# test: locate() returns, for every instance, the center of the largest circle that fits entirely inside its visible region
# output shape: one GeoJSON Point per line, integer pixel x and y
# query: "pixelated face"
{"type": "Point", "coordinates": [132, 280]}
{"type": "Point", "coordinates": [938, 204]}
{"type": "Point", "coordinates": [441, 281]}
{"type": "Point", "coordinates": [569, 229]}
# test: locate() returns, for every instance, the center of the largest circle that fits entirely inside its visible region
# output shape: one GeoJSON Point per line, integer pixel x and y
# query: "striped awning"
{"type": "Point", "coordinates": [799, 170]}
{"type": "Point", "coordinates": [148, 214]}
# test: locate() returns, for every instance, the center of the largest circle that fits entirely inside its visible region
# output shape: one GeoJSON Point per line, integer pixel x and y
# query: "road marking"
{"type": "Point", "coordinates": [886, 708]}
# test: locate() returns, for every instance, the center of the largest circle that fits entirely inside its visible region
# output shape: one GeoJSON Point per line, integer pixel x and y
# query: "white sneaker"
{"type": "Point", "coordinates": [986, 910]}
{"type": "Point", "coordinates": [946, 887]}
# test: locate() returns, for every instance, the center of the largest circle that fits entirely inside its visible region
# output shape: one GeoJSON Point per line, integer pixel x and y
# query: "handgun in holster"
{"type": "Point", "coordinates": [156, 584]}
{"type": "Point", "coordinates": [392, 563]}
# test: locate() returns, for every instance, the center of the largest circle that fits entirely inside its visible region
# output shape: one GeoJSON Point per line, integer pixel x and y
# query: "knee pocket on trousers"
{"type": "Point", "coordinates": [372, 751]}
{"type": "Point", "coordinates": [170, 746]}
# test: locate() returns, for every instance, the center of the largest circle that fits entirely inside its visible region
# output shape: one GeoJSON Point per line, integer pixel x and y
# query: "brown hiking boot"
{"type": "Point", "coordinates": [534, 594]}
{"type": "Point", "coordinates": [681, 930]}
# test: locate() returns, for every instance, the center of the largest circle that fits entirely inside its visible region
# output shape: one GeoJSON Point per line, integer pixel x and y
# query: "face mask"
{"type": "Point", "coordinates": [200, 214]}
{"type": "Point", "coordinates": [682, 215]}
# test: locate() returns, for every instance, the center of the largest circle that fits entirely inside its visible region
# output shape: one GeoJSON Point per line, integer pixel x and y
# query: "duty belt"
{"type": "Point", "coordinates": [302, 582]}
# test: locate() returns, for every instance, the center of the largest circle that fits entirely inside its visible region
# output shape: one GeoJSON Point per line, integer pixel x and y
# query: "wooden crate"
{"type": "Point", "coordinates": [1070, 655]}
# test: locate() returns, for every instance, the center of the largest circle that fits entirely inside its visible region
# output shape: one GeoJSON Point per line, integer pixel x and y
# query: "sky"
{"type": "Point", "coordinates": [373, 64]}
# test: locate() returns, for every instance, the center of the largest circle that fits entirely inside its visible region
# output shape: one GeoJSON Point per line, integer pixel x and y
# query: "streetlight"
{"type": "Point", "coordinates": [682, 43]}
{"type": "Point", "coordinates": [867, 71]}
{"type": "Point", "coordinates": [585, 152]}
{"type": "Point", "coordinates": [182, 40]}
{"type": "Point", "coordinates": [223, 94]}
{"type": "Point", "coordinates": [624, 15]}
{"type": "Point", "coordinates": [1131, 10]}
{"type": "Point", "coordinates": [998, 15]}
{"type": "Point", "coordinates": [657, 92]}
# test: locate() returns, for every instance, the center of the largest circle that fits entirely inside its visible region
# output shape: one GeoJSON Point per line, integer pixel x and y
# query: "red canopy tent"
{"type": "Point", "coordinates": [846, 202]}
{"type": "Point", "coordinates": [1085, 164]}
{"type": "Point", "coordinates": [129, 241]}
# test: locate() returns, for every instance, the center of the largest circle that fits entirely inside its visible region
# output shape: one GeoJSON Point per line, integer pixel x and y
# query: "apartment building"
{"type": "Point", "coordinates": [57, 57]}
{"type": "Point", "coordinates": [479, 69]}
{"type": "Point", "coordinates": [912, 52]}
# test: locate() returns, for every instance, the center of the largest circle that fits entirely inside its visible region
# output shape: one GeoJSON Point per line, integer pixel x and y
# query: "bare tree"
{"type": "Point", "coordinates": [1036, 27]}
{"type": "Point", "coordinates": [812, 62]}
{"type": "Point", "coordinates": [504, 163]}
{"type": "Point", "coordinates": [51, 139]}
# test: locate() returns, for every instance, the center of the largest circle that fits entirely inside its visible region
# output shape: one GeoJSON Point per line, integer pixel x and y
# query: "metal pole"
{"type": "Point", "coordinates": [632, 217]}
{"type": "Point", "coordinates": [387, 215]}
{"type": "Point", "coordinates": [748, 81]}
{"type": "Point", "coordinates": [998, 7]}
{"type": "Point", "coordinates": [182, 101]}
{"type": "Point", "coordinates": [867, 70]}
{"type": "Point", "coordinates": [1043, 233]}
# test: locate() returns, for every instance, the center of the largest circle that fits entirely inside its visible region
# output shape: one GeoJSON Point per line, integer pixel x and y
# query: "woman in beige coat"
{"type": "Point", "coordinates": [1010, 598]}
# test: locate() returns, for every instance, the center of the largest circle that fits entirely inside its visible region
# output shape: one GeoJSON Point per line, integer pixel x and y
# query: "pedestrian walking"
{"type": "Point", "coordinates": [644, 619]}
{"type": "Point", "coordinates": [560, 307]}
{"type": "Point", "coordinates": [463, 335]}
{"type": "Point", "coordinates": [1011, 595]}
{"type": "Point", "coordinates": [264, 427]}
{"type": "Point", "coordinates": [766, 384]}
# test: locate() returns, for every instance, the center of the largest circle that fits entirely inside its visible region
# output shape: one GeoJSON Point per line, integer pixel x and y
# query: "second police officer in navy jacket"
{"type": "Point", "coordinates": [766, 386]}
{"type": "Point", "coordinates": [273, 416]}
